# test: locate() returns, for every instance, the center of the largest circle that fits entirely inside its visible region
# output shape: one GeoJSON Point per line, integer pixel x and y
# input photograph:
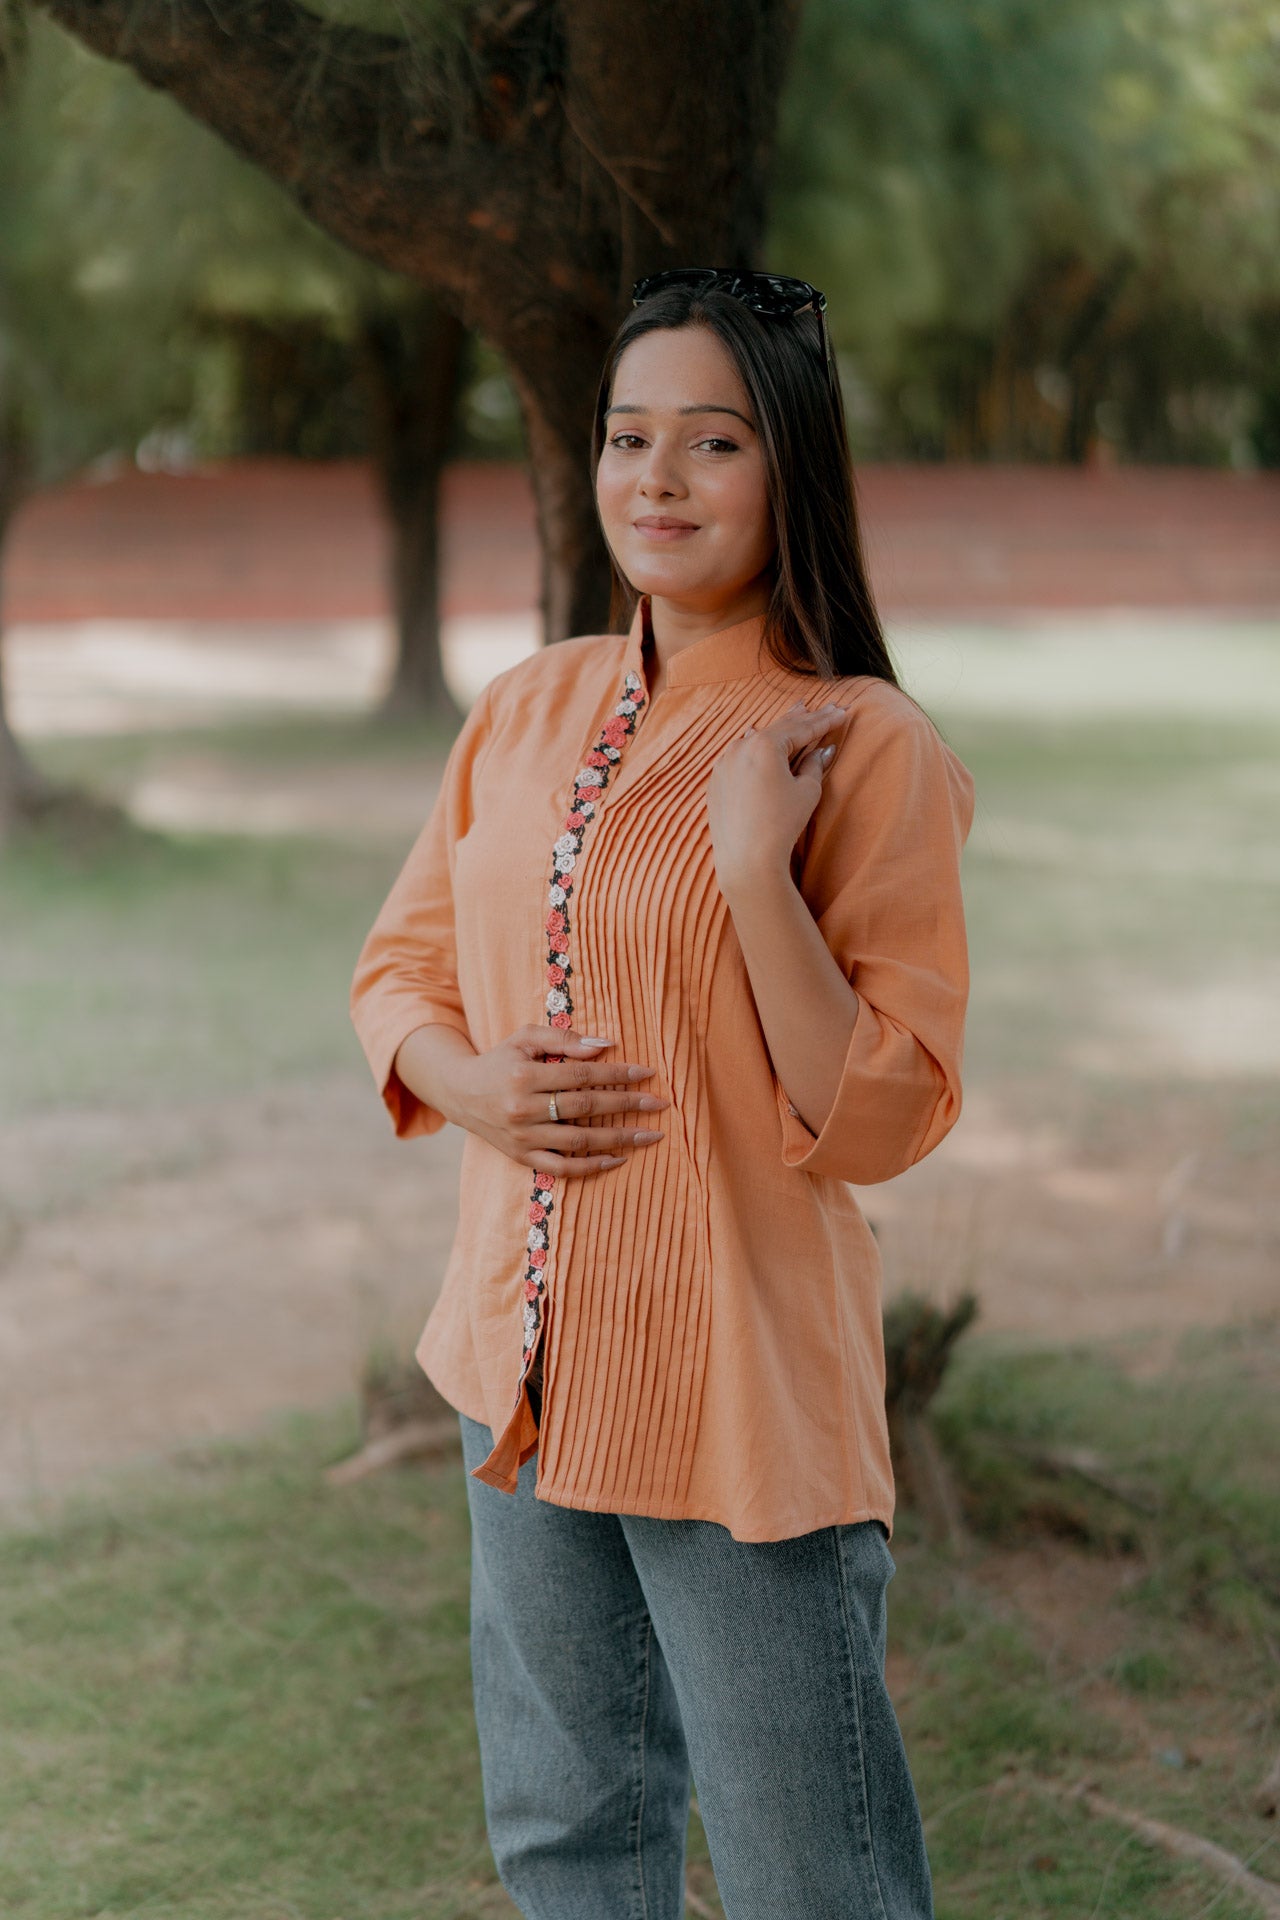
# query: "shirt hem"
{"type": "Point", "coordinates": [597, 1502]}
{"type": "Point", "coordinates": [460, 1402]}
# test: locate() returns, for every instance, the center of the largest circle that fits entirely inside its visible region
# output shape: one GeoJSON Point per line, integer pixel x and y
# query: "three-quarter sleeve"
{"type": "Point", "coordinates": [881, 874]}
{"type": "Point", "coordinates": [406, 975]}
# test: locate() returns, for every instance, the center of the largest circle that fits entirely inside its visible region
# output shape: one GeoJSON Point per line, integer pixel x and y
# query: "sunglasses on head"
{"type": "Point", "coordinates": [775, 296]}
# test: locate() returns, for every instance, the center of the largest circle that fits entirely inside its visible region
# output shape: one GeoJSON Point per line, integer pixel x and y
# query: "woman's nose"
{"type": "Point", "coordinates": [660, 474]}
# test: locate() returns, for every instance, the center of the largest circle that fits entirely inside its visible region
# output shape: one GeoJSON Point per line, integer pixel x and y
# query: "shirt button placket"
{"type": "Point", "coordinates": [589, 785]}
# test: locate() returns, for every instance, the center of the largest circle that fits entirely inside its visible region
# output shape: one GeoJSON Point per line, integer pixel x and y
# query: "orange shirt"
{"type": "Point", "coordinates": [710, 1311]}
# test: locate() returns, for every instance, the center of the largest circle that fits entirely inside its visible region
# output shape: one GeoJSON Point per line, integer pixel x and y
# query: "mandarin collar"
{"type": "Point", "coordinates": [730, 653]}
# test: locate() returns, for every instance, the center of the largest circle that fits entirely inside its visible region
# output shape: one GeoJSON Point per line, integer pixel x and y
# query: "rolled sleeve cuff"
{"type": "Point", "coordinates": [410, 1116]}
{"type": "Point", "coordinates": [891, 1106]}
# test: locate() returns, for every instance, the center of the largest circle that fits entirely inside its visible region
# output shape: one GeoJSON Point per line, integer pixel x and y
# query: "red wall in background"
{"type": "Point", "coordinates": [296, 540]}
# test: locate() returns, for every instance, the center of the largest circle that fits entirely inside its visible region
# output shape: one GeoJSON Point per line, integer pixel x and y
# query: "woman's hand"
{"type": "Point", "coordinates": [763, 789]}
{"type": "Point", "coordinates": [503, 1096]}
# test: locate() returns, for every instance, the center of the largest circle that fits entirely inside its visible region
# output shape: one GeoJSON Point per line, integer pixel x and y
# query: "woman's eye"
{"type": "Point", "coordinates": [716, 441]}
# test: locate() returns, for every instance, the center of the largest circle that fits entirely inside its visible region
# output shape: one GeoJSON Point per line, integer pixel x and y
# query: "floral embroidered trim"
{"type": "Point", "coordinates": [587, 788]}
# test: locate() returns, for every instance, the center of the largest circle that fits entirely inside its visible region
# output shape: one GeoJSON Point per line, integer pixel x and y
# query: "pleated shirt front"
{"type": "Point", "coordinates": [709, 1314]}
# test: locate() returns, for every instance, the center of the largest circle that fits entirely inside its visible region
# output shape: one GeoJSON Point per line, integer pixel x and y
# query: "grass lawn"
{"type": "Point", "coordinates": [229, 1690]}
{"type": "Point", "coordinates": [1122, 884]}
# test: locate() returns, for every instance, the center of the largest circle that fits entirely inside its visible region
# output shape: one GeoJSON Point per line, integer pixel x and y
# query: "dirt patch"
{"type": "Point", "coordinates": [1191, 1721]}
{"type": "Point", "coordinates": [177, 1274]}
{"type": "Point", "coordinates": [183, 1272]}
{"type": "Point", "coordinates": [1122, 1245]}
{"type": "Point", "coordinates": [209, 792]}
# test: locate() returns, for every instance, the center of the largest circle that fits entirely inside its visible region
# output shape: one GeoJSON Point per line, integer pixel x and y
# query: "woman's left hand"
{"type": "Point", "coordinates": [762, 790]}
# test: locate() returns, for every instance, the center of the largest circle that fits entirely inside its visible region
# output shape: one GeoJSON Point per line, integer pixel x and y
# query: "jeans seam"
{"type": "Point", "coordinates": [857, 1710]}
{"type": "Point", "coordinates": [638, 1821]}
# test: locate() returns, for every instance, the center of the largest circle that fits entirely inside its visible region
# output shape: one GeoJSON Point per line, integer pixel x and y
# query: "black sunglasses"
{"type": "Point", "coordinates": [775, 296]}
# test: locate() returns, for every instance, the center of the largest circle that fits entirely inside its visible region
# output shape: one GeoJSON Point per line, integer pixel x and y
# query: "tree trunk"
{"type": "Point", "coordinates": [411, 364]}
{"type": "Point", "coordinates": [528, 169]}
{"type": "Point", "coordinates": [575, 562]}
{"type": "Point", "coordinates": [24, 790]}
{"type": "Point", "coordinates": [919, 1338]}
{"type": "Point", "coordinates": [554, 371]}
{"type": "Point", "coordinates": [1085, 354]}
{"type": "Point", "coordinates": [28, 796]}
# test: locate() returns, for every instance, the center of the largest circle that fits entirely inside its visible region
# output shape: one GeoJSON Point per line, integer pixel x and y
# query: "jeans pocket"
{"type": "Point", "coordinates": [881, 1533]}
{"type": "Point", "coordinates": [865, 1544]}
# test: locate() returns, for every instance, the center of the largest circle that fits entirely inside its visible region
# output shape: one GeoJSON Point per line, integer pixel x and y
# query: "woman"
{"type": "Point", "coordinates": [704, 873]}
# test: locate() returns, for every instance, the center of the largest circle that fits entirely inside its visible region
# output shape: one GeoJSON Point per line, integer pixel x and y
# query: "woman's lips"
{"type": "Point", "coordinates": [657, 530]}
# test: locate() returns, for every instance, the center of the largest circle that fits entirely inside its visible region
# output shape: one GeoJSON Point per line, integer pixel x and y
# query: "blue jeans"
{"type": "Point", "coordinates": [612, 1653]}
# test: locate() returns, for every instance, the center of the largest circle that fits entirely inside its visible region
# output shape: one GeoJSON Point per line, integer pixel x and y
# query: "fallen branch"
{"type": "Point", "coordinates": [413, 1440]}
{"type": "Point", "coordinates": [1175, 1840]}
{"type": "Point", "coordinates": [1084, 1464]}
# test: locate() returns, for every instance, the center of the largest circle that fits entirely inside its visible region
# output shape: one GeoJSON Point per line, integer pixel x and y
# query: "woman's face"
{"type": "Point", "coordinates": [680, 485]}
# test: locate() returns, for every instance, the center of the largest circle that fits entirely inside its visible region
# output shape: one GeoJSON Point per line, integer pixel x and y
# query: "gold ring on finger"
{"type": "Point", "coordinates": [552, 1108]}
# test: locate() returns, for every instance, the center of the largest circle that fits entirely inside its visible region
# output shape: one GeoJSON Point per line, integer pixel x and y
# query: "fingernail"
{"type": "Point", "coordinates": [638, 1073]}
{"type": "Point", "coordinates": [824, 754]}
{"type": "Point", "coordinates": [589, 1040]}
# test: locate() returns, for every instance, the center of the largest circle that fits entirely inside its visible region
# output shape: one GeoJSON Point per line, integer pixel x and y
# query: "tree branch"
{"type": "Point", "coordinates": [1265, 1894]}
{"type": "Point", "coordinates": [422, 172]}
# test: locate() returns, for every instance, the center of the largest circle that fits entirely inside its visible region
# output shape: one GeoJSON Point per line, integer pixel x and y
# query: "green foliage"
{"type": "Point", "coordinates": [136, 237]}
{"type": "Point", "coordinates": [123, 219]}
{"type": "Point", "coordinates": [144, 260]}
{"type": "Point", "coordinates": [1041, 229]}
{"type": "Point", "coordinates": [1036, 224]}
{"type": "Point", "coordinates": [89, 350]}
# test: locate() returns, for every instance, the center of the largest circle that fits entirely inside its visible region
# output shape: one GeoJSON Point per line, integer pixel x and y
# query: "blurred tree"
{"type": "Point", "coordinates": [324, 344]}
{"type": "Point", "coordinates": [1041, 228]}
{"type": "Point", "coordinates": [328, 354]}
{"type": "Point", "coordinates": [411, 360]}
{"type": "Point", "coordinates": [88, 357]}
{"type": "Point", "coordinates": [172, 251]}
{"type": "Point", "coordinates": [129, 232]}
{"type": "Point", "coordinates": [524, 159]}
{"type": "Point", "coordinates": [22, 788]}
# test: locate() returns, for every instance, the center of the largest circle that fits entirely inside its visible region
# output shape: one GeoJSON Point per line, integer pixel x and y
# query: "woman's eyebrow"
{"type": "Point", "coordinates": [698, 409]}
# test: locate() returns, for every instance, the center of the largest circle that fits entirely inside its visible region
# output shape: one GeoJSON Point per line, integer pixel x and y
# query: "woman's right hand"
{"type": "Point", "coordinates": [503, 1095]}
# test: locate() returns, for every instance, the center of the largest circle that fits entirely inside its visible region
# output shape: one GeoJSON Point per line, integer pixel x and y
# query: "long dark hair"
{"type": "Point", "coordinates": [821, 616]}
